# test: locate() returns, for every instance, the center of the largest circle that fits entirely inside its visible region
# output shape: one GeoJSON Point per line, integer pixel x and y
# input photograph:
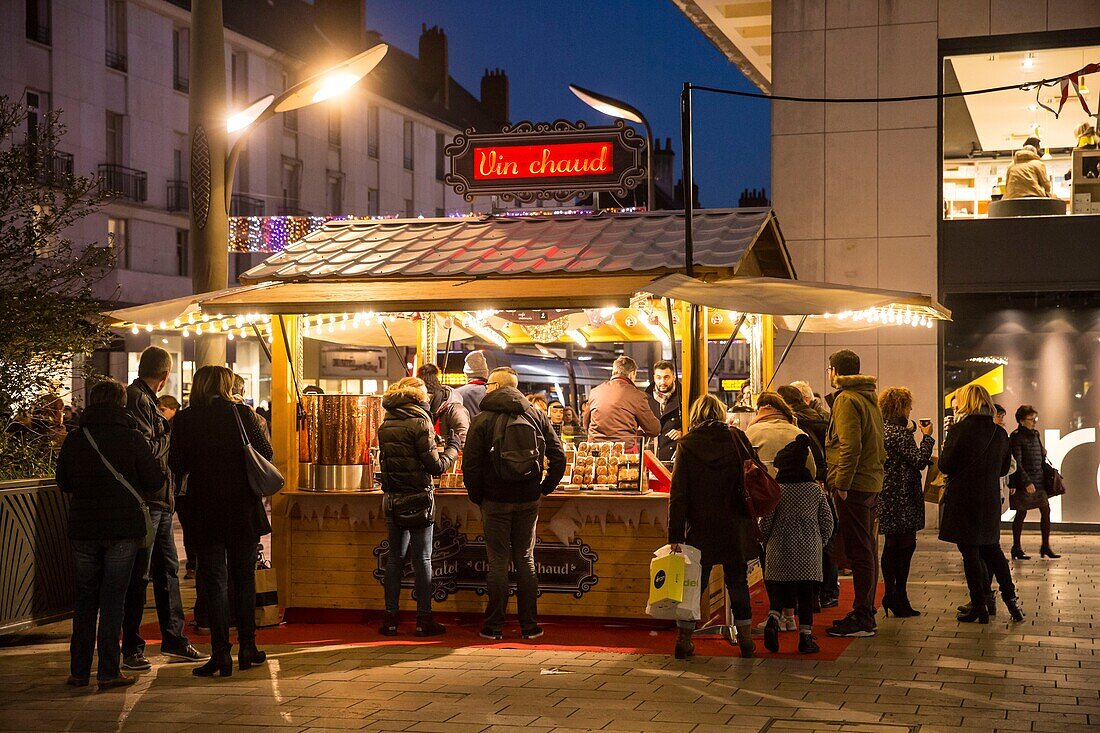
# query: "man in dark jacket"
{"type": "Point", "coordinates": [509, 509]}
{"type": "Point", "coordinates": [664, 399]}
{"type": "Point", "coordinates": [856, 454]}
{"type": "Point", "coordinates": [158, 563]}
{"type": "Point", "coordinates": [105, 526]}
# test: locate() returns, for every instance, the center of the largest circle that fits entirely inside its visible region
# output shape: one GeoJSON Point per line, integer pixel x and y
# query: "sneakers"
{"type": "Point", "coordinates": [135, 663]}
{"type": "Point", "coordinates": [120, 681]}
{"type": "Point", "coordinates": [830, 601]}
{"type": "Point", "coordinates": [788, 623]}
{"type": "Point", "coordinates": [771, 634]}
{"type": "Point", "coordinates": [532, 633]}
{"type": "Point", "coordinates": [852, 627]}
{"type": "Point", "coordinates": [187, 654]}
{"type": "Point", "coordinates": [490, 635]}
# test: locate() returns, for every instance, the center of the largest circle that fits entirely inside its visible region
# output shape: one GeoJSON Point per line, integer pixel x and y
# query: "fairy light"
{"type": "Point", "coordinates": [186, 332]}
{"type": "Point", "coordinates": [135, 330]}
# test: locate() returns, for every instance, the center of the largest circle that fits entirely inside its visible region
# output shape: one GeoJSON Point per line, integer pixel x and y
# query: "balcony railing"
{"type": "Point", "coordinates": [179, 196]}
{"type": "Point", "coordinates": [116, 60]}
{"type": "Point", "coordinates": [49, 166]}
{"type": "Point", "coordinates": [126, 183]}
{"type": "Point", "coordinates": [290, 208]}
{"type": "Point", "coordinates": [245, 205]}
{"type": "Point", "coordinates": [37, 31]}
{"type": "Point", "coordinates": [181, 84]}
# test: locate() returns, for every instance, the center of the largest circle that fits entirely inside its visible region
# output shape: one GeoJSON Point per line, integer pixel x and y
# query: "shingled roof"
{"type": "Point", "coordinates": [727, 241]}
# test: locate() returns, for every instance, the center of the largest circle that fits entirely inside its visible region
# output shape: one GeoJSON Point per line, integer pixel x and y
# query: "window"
{"type": "Point", "coordinates": [334, 191]}
{"type": "Point", "coordinates": [989, 169]}
{"type": "Point", "coordinates": [440, 159]}
{"type": "Point", "coordinates": [372, 202]}
{"type": "Point", "coordinates": [38, 21]}
{"type": "Point", "coordinates": [38, 104]}
{"type": "Point", "coordinates": [181, 59]}
{"type": "Point", "coordinates": [334, 127]}
{"type": "Point", "coordinates": [408, 144]}
{"type": "Point", "coordinates": [118, 241]}
{"type": "Point", "coordinates": [115, 132]}
{"type": "Point", "coordinates": [177, 164]}
{"type": "Point", "coordinates": [116, 34]}
{"type": "Point", "coordinates": [409, 209]}
{"type": "Point", "coordinates": [183, 253]}
{"type": "Point", "coordinates": [239, 78]}
{"type": "Point", "coordinates": [372, 131]}
{"type": "Point", "coordinates": [290, 118]}
{"type": "Point", "coordinates": [291, 184]}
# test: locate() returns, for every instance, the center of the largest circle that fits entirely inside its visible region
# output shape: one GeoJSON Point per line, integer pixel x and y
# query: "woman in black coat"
{"type": "Point", "coordinates": [408, 459]}
{"type": "Point", "coordinates": [226, 518]}
{"type": "Point", "coordinates": [974, 457]}
{"type": "Point", "coordinates": [706, 509]}
{"type": "Point", "coordinates": [106, 525]}
{"type": "Point", "coordinates": [1028, 484]}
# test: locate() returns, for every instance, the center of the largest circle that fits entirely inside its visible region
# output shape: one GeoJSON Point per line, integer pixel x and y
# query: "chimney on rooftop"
{"type": "Point", "coordinates": [494, 96]}
{"type": "Point", "coordinates": [433, 73]}
{"type": "Point", "coordinates": [663, 159]}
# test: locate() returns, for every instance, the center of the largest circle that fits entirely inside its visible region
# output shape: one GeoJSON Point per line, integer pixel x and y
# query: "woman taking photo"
{"type": "Point", "coordinates": [706, 509]}
{"type": "Point", "coordinates": [901, 503]}
{"type": "Point", "coordinates": [974, 457]}
{"type": "Point", "coordinates": [226, 518]}
{"type": "Point", "coordinates": [1028, 484]}
{"type": "Point", "coordinates": [408, 459]}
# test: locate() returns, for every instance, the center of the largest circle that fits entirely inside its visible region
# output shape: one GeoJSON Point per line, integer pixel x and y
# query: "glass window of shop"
{"type": "Point", "coordinates": [1041, 350]}
{"type": "Point", "coordinates": [992, 165]}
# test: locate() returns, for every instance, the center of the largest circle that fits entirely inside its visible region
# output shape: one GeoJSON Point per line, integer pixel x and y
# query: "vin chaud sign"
{"type": "Point", "coordinates": [559, 160]}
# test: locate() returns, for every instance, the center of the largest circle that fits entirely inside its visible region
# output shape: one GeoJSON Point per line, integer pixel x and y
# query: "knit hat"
{"type": "Point", "coordinates": [476, 367]}
{"type": "Point", "coordinates": [790, 462]}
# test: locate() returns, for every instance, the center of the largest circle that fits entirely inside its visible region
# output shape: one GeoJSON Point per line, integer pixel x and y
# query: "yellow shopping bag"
{"type": "Point", "coordinates": [666, 580]}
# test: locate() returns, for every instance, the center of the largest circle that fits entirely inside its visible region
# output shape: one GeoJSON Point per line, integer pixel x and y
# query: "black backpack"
{"type": "Point", "coordinates": [518, 448]}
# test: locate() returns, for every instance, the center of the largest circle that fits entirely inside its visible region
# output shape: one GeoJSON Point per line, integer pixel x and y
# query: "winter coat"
{"type": "Point", "coordinates": [975, 455]}
{"type": "Point", "coordinates": [450, 415]}
{"type": "Point", "coordinates": [901, 503]}
{"type": "Point", "coordinates": [482, 482]}
{"type": "Point", "coordinates": [1027, 176]}
{"type": "Point", "coordinates": [207, 447]}
{"type": "Point", "coordinates": [101, 507]}
{"type": "Point", "coordinates": [706, 505]}
{"type": "Point", "coordinates": [771, 434]}
{"type": "Point", "coordinates": [141, 403]}
{"type": "Point", "coordinates": [1029, 454]}
{"type": "Point", "coordinates": [617, 410]}
{"type": "Point", "coordinates": [816, 425]}
{"type": "Point", "coordinates": [854, 445]}
{"type": "Point", "coordinates": [796, 532]}
{"type": "Point", "coordinates": [407, 454]}
{"type": "Point", "coordinates": [671, 416]}
{"type": "Point", "coordinates": [471, 394]}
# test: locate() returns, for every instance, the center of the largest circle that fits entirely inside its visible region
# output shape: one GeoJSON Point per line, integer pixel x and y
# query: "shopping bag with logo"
{"type": "Point", "coordinates": [934, 483]}
{"type": "Point", "coordinates": [267, 595]}
{"type": "Point", "coordinates": [683, 604]}
{"type": "Point", "coordinates": [666, 579]}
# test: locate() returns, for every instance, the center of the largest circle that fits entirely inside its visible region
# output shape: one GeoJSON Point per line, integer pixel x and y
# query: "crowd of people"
{"type": "Point", "coordinates": [849, 469]}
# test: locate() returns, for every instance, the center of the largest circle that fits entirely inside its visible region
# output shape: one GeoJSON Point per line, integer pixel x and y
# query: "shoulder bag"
{"type": "Point", "coordinates": [414, 510]}
{"type": "Point", "coordinates": [1053, 482]}
{"type": "Point", "coordinates": [150, 530]}
{"type": "Point", "coordinates": [761, 490]}
{"type": "Point", "coordinates": [263, 477]}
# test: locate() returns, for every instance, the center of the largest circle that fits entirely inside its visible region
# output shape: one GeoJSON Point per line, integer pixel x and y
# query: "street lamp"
{"type": "Point", "coordinates": [614, 108]}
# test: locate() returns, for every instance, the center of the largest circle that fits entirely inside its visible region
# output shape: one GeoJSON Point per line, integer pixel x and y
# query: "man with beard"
{"type": "Point", "coordinates": [664, 400]}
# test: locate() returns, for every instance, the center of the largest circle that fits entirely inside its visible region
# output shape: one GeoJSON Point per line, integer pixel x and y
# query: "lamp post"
{"type": "Point", "coordinates": [615, 108]}
{"type": "Point", "coordinates": [212, 168]}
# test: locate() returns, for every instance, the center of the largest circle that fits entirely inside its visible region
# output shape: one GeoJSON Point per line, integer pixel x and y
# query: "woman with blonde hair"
{"type": "Point", "coordinates": [974, 457]}
{"type": "Point", "coordinates": [226, 518]}
{"type": "Point", "coordinates": [706, 509]}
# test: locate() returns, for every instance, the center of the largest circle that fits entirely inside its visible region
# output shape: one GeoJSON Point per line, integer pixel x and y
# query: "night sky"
{"type": "Point", "coordinates": [640, 51]}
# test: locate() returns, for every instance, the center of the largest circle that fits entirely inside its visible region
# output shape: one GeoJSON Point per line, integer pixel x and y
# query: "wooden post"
{"type": "Point", "coordinates": [284, 441]}
{"type": "Point", "coordinates": [767, 348]}
{"type": "Point", "coordinates": [693, 345]}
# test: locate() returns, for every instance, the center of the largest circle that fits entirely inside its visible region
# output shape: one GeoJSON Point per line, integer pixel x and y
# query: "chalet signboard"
{"type": "Point", "coordinates": [559, 160]}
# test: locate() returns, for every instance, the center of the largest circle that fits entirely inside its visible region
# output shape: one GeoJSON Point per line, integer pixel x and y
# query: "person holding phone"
{"type": "Point", "coordinates": [901, 503]}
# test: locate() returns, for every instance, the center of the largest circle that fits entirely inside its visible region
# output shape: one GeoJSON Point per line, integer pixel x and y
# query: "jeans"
{"type": "Point", "coordinates": [159, 564]}
{"type": "Point", "coordinates": [973, 557]}
{"type": "Point", "coordinates": [737, 584]}
{"type": "Point", "coordinates": [857, 532]}
{"type": "Point", "coordinates": [421, 542]}
{"type": "Point", "coordinates": [797, 594]}
{"type": "Point", "coordinates": [102, 569]}
{"type": "Point", "coordinates": [217, 562]}
{"type": "Point", "coordinates": [510, 538]}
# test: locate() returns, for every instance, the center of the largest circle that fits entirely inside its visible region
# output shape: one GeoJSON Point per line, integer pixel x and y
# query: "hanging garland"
{"type": "Point", "coordinates": [548, 332]}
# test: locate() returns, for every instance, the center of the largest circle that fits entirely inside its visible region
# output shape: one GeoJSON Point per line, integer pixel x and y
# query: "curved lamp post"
{"type": "Point", "coordinates": [615, 108]}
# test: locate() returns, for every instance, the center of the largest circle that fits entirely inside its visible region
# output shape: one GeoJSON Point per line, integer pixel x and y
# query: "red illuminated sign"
{"type": "Point", "coordinates": [560, 160]}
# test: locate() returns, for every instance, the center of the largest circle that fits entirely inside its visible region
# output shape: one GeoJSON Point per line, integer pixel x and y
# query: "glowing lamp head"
{"type": "Point", "coordinates": [607, 105]}
{"type": "Point", "coordinates": [334, 85]}
{"type": "Point", "coordinates": [249, 114]}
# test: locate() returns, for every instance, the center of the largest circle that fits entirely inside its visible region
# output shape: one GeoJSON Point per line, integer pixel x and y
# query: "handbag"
{"type": "Point", "coordinates": [760, 490]}
{"type": "Point", "coordinates": [150, 530]}
{"type": "Point", "coordinates": [1053, 482]}
{"type": "Point", "coordinates": [411, 511]}
{"type": "Point", "coordinates": [263, 477]}
{"type": "Point", "coordinates": [935, 482]}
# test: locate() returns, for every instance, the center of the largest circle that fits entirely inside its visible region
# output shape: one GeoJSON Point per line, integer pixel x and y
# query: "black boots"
{"type": "Point", "coordinates": [684, 647]}
{"type": "Point", "coordinates": [249, 656]}
{"type": "Point", "coordinates": [389, 624]}
{"type": "Point", "coordinates": [1012, 603]}
{"type": "Point", "coordinates": [426, 626]}
{"type": "Point", "coordinates": [1018, 553]}
{"type": "Point", "coordinates": [1045, 551]}
{"type": "Point", "coordinates": [895, 577]}
{"type": "Point", "coordinates": [990, 605]}
{"type": "Point", "coordinates": [220, 663]}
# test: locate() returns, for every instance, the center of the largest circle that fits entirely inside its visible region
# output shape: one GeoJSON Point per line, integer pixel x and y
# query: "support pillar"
{"type": "Point", "coordinates": [693, 344]}
{"type": "Point", "coordinates": [284, 438]}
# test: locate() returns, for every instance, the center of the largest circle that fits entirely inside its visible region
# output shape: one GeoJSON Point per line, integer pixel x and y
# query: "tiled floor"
{"type": "Point", "coordinates": [923, 674]}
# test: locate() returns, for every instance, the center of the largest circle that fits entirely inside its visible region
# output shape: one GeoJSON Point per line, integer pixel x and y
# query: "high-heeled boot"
{"type": "Point", "coordinates": [902, 562]}
{"type": "Point", "coordinates": [220, 663]}
{"type": "Point", "coordinates": [1012, 603]}
{"type": "Point", "coordinates": [889, 553]}
{"type": "Point", "coordinates": [684, 646]}
{"type": "Point", "coordinates": [249, 656]}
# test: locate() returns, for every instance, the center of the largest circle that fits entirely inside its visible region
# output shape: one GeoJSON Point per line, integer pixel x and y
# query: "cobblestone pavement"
{"type": "Point", "coordinates": [923, 674]}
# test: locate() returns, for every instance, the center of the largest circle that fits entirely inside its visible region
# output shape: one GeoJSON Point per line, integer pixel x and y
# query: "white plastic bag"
{"type": "Point", "coordinates": [689, 608]}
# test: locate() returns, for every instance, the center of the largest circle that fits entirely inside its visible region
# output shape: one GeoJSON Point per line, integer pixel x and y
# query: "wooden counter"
{"type": "Point", "coordinates": [593, 552]}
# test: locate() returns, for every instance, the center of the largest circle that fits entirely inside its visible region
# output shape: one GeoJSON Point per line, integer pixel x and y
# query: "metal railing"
{"type": "Point", "coordinates": [126, 183]}
{"type": "Point", "coordinates": [116, 60]}
{"type": "Point", "coordinates": [49, 166]}
{"type": "Point", "coordinates": [290, 208]}
{"type": "Point", "coordinates": [179, 196]}
{"type": "Point", "coordinates": [244, 205]}
{"type": "Point", "coordinates": [38, 31]}
{"type": "Point", "coordinates": [181, 84]}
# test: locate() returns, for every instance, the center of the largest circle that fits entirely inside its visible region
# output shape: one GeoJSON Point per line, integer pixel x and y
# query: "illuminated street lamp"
{"type": "Point", "coordinates": [614, 108]}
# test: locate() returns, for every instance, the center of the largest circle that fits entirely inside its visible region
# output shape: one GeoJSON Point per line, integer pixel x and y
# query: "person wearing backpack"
{"type": "Point", "coordinates": [502, 466]}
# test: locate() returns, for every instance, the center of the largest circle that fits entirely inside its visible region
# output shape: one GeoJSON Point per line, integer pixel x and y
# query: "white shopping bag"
{"type": "Point", "coordinates": [687, 609]}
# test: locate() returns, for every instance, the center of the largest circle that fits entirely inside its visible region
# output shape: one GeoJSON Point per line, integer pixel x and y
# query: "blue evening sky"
{"type": "Point", "coordinates": [640, 51]}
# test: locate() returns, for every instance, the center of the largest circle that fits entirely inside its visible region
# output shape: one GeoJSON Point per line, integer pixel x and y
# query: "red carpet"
{"type": "Point", "coordinates": [321, 627]}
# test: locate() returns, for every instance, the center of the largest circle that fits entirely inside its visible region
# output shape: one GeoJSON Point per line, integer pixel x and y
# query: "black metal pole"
{"type": "Point", "coordinates": [672, 336]}
{"type": "Point", "coordinates": [689, 192]}
{"type": "Point", "coordinates": [786, 351]}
